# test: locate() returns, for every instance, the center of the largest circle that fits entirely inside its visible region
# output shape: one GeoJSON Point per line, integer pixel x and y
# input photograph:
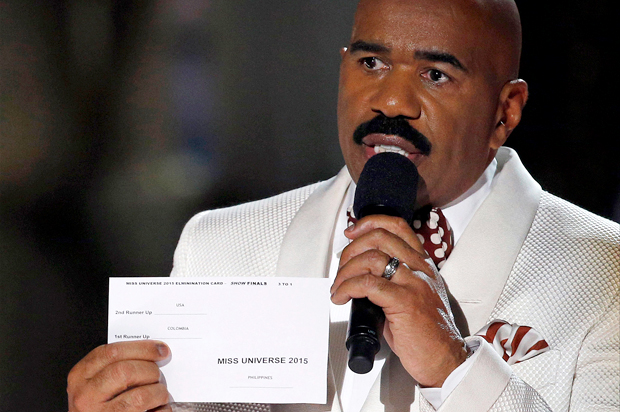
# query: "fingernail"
{"type": "Point", "coordinates": [163, 350]}
{"type": "Point", "coordinates": [350, 226]}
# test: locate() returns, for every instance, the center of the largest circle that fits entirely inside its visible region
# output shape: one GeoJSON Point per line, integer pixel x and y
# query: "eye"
{"type": "Point", "coordinates": [372, 63]}
{"type": "Point", "coordinates": [436, 76]}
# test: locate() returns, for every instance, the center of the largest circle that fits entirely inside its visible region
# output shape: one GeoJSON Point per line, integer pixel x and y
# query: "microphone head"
{"type": "Point", "coordinates": [387, 185]}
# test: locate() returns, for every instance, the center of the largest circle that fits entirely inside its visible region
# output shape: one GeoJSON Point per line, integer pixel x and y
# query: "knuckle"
{"type": "Point", "coordinates": [401, 224]}
{"type": "Point", "coordinates": [163, 397]}
{"type": "Point", "coordinates": [78, 403]}
{"type": "Point", "coordinates": [76, 397]}
{"type": "Point", "coordinates": [375, 255]}
{"type": "Point", "coordinates": [368, 281]}
{"type": "Point", "coordinates": [383, 286]}
{"type": "Point", "coordinates": [380, 233]}
{"type": "Point", "coordinates": [98, 351]}
{"type": "Point", "coordinates": [345, 256]}
{"type": "Point", "coordinates": [110, 352]}
{"type": "Point", "coordinates": [145, 397]}
{"type": "Point", "coordinates": [123, 404]}
{"type": "Point", "coordinates": [138, 398]}
{"type": "Point", "coordinates": [122, 372]}
{"type": "Point", "coordinates": [73, 377]}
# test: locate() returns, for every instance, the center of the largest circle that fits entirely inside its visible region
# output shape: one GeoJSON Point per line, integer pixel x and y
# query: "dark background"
{"type": "Point", "coordinates": [119, 120]}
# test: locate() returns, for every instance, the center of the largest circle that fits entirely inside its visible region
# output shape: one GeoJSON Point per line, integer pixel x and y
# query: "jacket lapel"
{"type": "Point", "coordinates": [306, 248]}
{"type": "Point", "coordinates": [479, 265]}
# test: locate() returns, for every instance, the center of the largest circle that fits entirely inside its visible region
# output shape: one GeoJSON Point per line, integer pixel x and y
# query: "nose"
{"type": "Point", "coordinates": [395, 95]}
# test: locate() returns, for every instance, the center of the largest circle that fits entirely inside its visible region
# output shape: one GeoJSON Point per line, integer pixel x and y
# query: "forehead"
{"type": "Point", "coordinates": [454, 26]}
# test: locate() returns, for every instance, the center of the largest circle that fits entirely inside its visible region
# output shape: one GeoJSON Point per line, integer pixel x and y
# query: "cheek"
{"type": "Point", "coordinates": [353, 110]}
{"type": "Point", "coordinates": [460, 133]}
{"type": "Point", "coordinates": [348, 148]}
{"type": "Point", "coordinates": [354, 93]}
{"type": "Point", "coordinates": [346, 119]}
{"type": "Point", "coordinates": [460, 138]}
{"type": "Point", "coordinates": [345, 106]}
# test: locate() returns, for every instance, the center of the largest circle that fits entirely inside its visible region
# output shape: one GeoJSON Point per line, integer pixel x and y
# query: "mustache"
{"type": "Point", "coordinates": [396, 126]}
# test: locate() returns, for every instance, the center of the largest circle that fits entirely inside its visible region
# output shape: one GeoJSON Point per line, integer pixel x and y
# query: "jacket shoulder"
{"type": "Point", "coordinates": [241, 240]}
{"type": "Point", "coordinates": [570, 223]}
{"type": "Point", "coordinates": [570, 258]}
{"type": "Point", "coordinates": [572, 245]}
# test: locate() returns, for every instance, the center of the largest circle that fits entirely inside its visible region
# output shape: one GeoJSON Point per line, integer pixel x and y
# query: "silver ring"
{"type": "Point", "coordinates": [390, 268]}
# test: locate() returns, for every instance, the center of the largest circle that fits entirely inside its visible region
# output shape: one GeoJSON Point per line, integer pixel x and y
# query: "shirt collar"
{"type": "Point", "coordinates": [460, 211]}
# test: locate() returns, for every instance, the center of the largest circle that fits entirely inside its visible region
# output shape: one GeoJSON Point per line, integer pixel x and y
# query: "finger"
{"type": "Point", "coordinates": [105, 355]}
{"type": "Point", "coordinates": [371, 262]}
{"type": "Point", "coordinates": [362, 286]}
{"type": "Point", "coordinates": [140, 399]}
{"type": "Point", "coordinates": [389, 244]}
{"type": "Point", "coordinates": [116, 378]}
{"type": "Point", "coordinates": [385, 293]}
{"type": "Point", "coordinates": [395, 225]}
{"type": "Point", "coordinates": [112, 381]}
{"type": "Point", "coordinates": [380, 239]}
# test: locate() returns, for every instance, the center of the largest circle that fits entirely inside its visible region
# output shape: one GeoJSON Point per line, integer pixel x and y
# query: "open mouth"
{"type": "Point", "coordinates": [379, 143]}
{"type": "Point", "coordinates": [382, 148]}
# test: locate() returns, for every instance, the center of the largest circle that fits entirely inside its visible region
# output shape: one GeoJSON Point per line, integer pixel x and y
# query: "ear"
{"type": "Point", "coordinates": [512, 99]}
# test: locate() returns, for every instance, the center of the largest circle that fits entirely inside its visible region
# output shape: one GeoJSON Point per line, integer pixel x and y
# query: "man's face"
{"type": "Point", "coordinates": [427, 64]}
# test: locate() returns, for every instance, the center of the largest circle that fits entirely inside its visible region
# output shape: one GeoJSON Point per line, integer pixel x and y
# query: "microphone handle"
{"type": "Point", "coordinates": [366, 319]}
{"type": "Point", "coordinates": [364, 334]}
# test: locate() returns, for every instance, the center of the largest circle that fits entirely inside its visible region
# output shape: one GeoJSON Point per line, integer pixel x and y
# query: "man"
{"type": "Point", "coordinates": [437, 81]}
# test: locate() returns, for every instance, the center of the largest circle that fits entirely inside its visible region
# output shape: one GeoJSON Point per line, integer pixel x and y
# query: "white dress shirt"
{"type": "Point", "coordinates": [355, 387]}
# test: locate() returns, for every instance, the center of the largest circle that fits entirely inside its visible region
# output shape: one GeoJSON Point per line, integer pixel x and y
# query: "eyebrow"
{"type": "Point", "coordinates": [441, 57]}
{"type": "Point", "coordinates": [361, 45]}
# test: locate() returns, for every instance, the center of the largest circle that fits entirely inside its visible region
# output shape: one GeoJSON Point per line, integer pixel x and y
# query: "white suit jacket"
{"type": "Point", "coordinates": [526, 257]}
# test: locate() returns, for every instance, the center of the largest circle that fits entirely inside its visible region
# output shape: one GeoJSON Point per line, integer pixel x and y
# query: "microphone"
{"type": "Point", "coordinates": [387, 186]}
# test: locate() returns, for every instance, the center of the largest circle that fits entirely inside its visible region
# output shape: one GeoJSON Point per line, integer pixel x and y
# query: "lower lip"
{"type": "Point", "coordinates": [414, 157]}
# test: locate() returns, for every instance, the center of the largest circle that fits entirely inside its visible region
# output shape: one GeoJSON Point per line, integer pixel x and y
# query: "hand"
{"type": "Point", "coordinates": [121, 376]}
{"type": "Point", "coordinates": [419, 325]}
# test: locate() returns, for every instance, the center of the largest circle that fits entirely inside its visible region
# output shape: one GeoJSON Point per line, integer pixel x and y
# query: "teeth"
{"type": "Point", "coordinates": [389, 148]}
